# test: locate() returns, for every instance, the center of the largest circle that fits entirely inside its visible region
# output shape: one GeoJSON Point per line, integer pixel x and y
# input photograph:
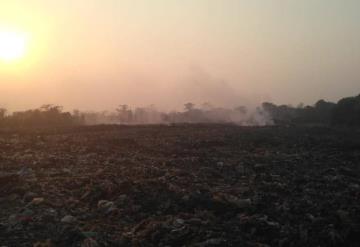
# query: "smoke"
{"type": "Point", "coordinates": [206, 113]}
{"type": "Point", "coordinates": [199, 86]}
{"type": "Point", "coordinates": [207, 98]}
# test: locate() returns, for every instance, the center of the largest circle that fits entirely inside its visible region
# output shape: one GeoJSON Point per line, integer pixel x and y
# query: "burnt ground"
{"type": "Point", "coordinates": [184, 185]}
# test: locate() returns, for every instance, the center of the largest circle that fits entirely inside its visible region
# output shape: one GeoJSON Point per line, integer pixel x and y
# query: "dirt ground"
{"type": "Point", "coordinates": [181, 185]}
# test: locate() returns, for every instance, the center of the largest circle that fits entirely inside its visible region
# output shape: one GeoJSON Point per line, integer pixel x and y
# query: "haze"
{"type": "Point", "coordinates": [96, 54]}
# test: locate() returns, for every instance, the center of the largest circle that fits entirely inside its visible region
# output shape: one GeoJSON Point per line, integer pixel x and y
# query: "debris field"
{"type": "Point", "coordinates": [180, 185]}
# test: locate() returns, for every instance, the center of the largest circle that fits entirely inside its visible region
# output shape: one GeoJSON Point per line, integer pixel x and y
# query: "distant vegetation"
{"type": "Point", "coordinates": [45, 116]}
{"type": "Point", "coordinates": [206, 113]}
{"type": "Point", "coordinates": [345, 112]}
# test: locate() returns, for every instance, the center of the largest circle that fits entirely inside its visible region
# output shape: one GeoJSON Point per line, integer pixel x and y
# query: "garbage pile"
{"type": "Point", "coordinates": [181, 185]}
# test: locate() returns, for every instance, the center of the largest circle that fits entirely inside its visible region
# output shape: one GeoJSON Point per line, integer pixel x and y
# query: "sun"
{"type": "Point", "coordinates": [13, 45]}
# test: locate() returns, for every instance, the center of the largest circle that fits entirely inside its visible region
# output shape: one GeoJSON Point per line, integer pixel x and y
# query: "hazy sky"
{"type": "Point", "coordinates": [96, 54]}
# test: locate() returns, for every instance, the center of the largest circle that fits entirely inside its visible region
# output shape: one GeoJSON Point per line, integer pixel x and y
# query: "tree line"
{"type": "Point", "coordinates": [345, 112]}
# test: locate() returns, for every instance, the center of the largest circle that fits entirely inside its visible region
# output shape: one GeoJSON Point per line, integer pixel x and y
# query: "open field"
{"type": "Point", "coordinates": [183, 185]}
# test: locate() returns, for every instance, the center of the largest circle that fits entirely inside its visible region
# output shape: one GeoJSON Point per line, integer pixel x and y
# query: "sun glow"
{"type": "Point", "coordinates": [13, 45]}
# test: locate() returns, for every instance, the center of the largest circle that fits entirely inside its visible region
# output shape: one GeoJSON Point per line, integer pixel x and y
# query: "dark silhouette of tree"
{"type": "Point", "coordinates": [347, 111]}
{"type": "Point", "coordinates": [241, 109]}
{"type": "Point", "coordinates": [189, 106]}
{"type": "Point", "coordinates": [2, 113]}
{"type": "Point", "coordinates": [125, 114]}
{"type": "Point", "coordinates": [282, 114]}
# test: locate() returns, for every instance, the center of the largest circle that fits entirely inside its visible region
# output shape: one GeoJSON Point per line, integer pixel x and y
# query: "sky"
{"type": "Point", "coordinates": [97, 54]}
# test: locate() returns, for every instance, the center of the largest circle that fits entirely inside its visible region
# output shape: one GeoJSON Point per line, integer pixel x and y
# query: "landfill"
{"type": "Point", "coordinates": [180, 185]}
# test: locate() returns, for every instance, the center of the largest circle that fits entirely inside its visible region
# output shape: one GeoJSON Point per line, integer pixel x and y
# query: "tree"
{"type": "Point", "coordinates": [2, 113]}
{"type": "Point", "coordinates": [241, 109]}
{"type": "Point", "coordinates": [125, 114]}
{"type": "Point", "coordinates": [189, 106]}
{"type": "Point", "coordinates": [347, 111]}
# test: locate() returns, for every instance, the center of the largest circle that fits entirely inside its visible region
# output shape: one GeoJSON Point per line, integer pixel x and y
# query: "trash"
{"type": "Point", "coordinates": [90, 234]}
{"type": "Point", "coordinates": [46, 243]}
{"type": "Point", "coordinates": [13, 219]}
{"type": "Point", "coordinates": [29, 196]}
{"type": "Point", "coordinates": [26, 172]}
{"type": "Point", "coordinates": [27, 212]}
{"type": "Point", "coordinates": [21, 218]}
{"type": "Point", "coordinates": [212, 242]}
{"type": "Point", "coordinates": [106, 207]}
{"type": "Point", "coordinates": [240, 203]}
{"type": "Point", "coordinates": [121, 200]}
{"type": "Point", "coordinates": [37, 201]}
{"type": "Point", "coordinates": [89, 242]}
{"type": "Point", "coordinates": [103, 204]}
{"type": "Point", "coordinates": [180, 186]}
{"type": "Point", "coordinates": [49, 215]}
{"type": "Point", "coordinates": [69, 219]}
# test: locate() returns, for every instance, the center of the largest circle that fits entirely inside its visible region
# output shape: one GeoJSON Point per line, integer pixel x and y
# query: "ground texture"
{"type": "Point", "coordinates": [184, 185]}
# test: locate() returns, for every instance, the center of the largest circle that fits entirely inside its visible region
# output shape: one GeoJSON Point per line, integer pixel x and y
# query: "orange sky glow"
{"type": "Point", "coordinates": [96, 54]}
